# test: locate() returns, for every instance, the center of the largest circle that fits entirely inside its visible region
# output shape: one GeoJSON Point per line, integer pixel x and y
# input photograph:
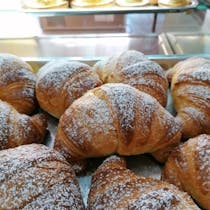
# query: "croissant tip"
{"type": "Point", "coordinates": [115, 159]}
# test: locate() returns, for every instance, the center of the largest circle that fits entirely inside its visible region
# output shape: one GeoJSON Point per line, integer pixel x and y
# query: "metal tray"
{"type": "Point", "coordinates": [111, 10]}
{"type": "Point", "coordinates": [189, 43]}
{"type": "Point", "coordinates": [83, 45]}
{"type": "Point", "coordinates": [143, 165]}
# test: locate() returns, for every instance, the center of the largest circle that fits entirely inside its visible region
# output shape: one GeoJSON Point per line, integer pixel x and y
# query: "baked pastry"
{"type": "Point", "coordinates": [60, 82]}
{"type": "Point", "coordinates": [153, 1]}
{"type": "Point", "coordinates": [116, 187]}
{"type": "Point", "coordinates": [173, 3]}
{"type": "Point", "coordinates": [188, 167]}
{"type": "Point", "coordinates": [190, 89]}
{"type": "Point", "coordinates": [35, 177]}
{"type": "Point", "coordinates": [17, 83]}
{"type": "Point", "coordinates": [116, 118]}
{"type": "Point", "coordinates": [132, 3]}
{"type": "Point", "coordinates": [44, 4]}
{"type": "Point", "coordinates": [133, 68]}
{"type": "Point", "coordinates": [92, 3]}
{"type": "Point", "coordinates": [17, 129]}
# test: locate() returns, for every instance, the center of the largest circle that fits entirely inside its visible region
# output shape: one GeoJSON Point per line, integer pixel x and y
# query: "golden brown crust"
{"type": "Point", "coordinates": [35, 177]}
{"type": "Point", "coordinates": [92, 3]}
{"type": "Point", "coordinates": [17, 83]}
{"type": "Point", "coordinates": [191, 95]}
{"type": "Point", "coordinates": [17, 129]}
{"type": "Point", "coordinates": [116, 118]}
{"type": "Point", "coordinates": [173, 3]}
{"type": "Point", "coordinates": [132, 3]}
{"type": "Point", "coordinates": [61, 82]}
{"type": "Point", "coordinates": [133, 68]}
{"type": "Point", "coordinates": [116, 187]}
{"type": "Point", "coordinates": [44, 4]}
{"type": "Point", "coordinates": [153, 1]}
{"type": "Point", "coordinates": [188, 168]}
{"type": "Point", "coordinates": [78, 165]}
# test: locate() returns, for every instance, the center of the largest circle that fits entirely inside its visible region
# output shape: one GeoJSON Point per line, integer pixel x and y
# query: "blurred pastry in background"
{"type": "Point", "coordinates": [132, 3]}
{"type": "Point", "coordinates": [91, 3]}
{"type": "Point", "coordinates": [173, 3]}
{"type": "Point", "coordinates": [153, 1]}
{"type": "Point", "coordinates": [44, 4]}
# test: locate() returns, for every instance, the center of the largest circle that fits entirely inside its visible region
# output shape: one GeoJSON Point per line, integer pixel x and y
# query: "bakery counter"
{"type": "Point", "coordinates": [92, 46]}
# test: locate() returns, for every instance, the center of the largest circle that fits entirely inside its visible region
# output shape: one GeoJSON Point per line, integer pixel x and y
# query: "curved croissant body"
{"type": "Point", "coordinates": [17, 83]}
{"type": "Point", "coordinates": [191, 95]}
{"type": "Point", "coordinates": [133, 68]}
{"type": "Point", "coordinates": [188, 167]}
{"type": "Point", "coordinates": [116, 118]}
{"type": "Point", "coordinates": [35, 177]}
{"type": "Point", "coordinates": [60, 82]}
{"type": "Point", "coordinates": [17, 129]}
{"type": "Point", "coordinates": [116, 187]}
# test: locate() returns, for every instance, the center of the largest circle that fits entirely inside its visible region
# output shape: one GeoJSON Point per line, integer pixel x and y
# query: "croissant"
{"type": "Point", "coordinates": [35, 177]}
{"type": "Point", "coordinates": [190, 88]}
{"type": "Point", "coordinates": [188, 167]}
{"type": "Point", "coordinates": [116, 187]}
{"type": "Point", "coordinates": [116, 118]}
{"type": "Point", "coordinates": [60, 82]}
{"type": "Point", "coordinates": [17, 83]}
{"type": "Point", "coordinates": [17, 129]}
{"type": "Point", "coordinates": [133, 68]}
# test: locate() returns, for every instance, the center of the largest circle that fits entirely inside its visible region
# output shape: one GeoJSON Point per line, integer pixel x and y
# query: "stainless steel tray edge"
{"type": "Point", "coordinates": [166, 61]}
{"type": "Point", "coordinates": [111, 10]}
{"type": "Point", "coordinates": [185, 42]}
{"type": "Point", "coordinates": [78, 46]}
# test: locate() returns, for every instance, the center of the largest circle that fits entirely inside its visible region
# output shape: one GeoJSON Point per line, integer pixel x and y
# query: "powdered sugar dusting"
{"type": "Point", "coordinates": [12, 71]}
{"type": "Point", "coordinates": [198, 92]}
{"type": "Point", "coordinates": [202, 155]}
{"type": "Point", "coordinates": [144, 68]}
{"type": "Point", "coordinates": [202, 73]}
{"type": "Point", "coordinates": [12, 62]}
{"type": "Point", "coordinates": [20, 127]}
{"type": "Point", "coordinates": [159, 199]}
{"type": "Point", "coordinates": [198, 72]}
{"type": "Point", "coordinates": [115, 187]}
{"type": "Point", "coordinates": [128, 58]}
{"type": "Point", "coordinates": [119, 112]}
{"type": "Point", "coordinates": [14, 127]}
{"type": "Point", "coordinates": [60, 83]}
{"type": "Point", "coordinates": [54, 74]}
{"type": "Point", "coordinates": [171, 126]}
{"type": "Point", "coordinates": [35, 177]}
{"type": "Point", "coordinates": [27, 93]}
{"type": "Point", "coordinates": [145, 75]}
{"type": "Point", "coordinates": [96, 118]}
{"type": "Point", "coordinates": [16, 75]}
{"type": "Point", "coordinates": [197, 115]}
{"type": "Point", "coordinates": [124, 98]}
{"type": "Point", "coordinates": [4, 126]}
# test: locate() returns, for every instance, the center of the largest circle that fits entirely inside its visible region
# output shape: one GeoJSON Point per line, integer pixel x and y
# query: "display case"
{"type": "Point", "coordinates": [95, 32]}
{"type": "Point", "coordinates": [165, 34]}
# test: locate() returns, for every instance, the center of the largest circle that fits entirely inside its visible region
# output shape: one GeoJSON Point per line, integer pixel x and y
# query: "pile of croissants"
{"type": "Point", "coordinates": [113, 109]}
